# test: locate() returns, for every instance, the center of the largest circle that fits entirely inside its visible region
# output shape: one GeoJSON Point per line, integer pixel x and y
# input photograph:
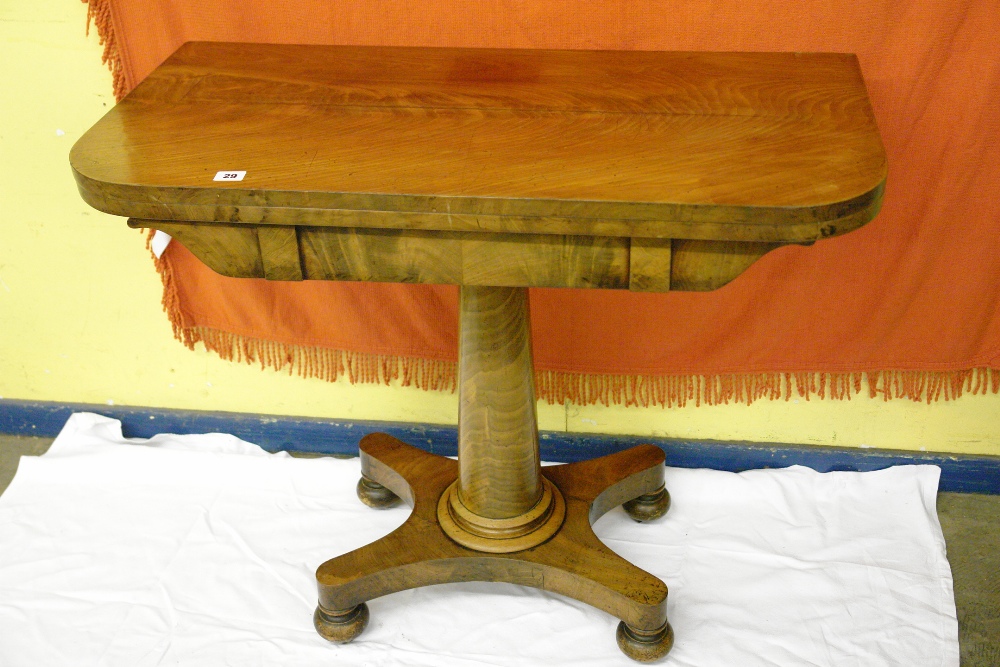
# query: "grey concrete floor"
{"type": "Point", "coordinates": [971, 525]}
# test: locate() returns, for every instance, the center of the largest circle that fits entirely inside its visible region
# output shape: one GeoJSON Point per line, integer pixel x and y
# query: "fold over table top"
{"type": "Point", "coordinates": [758, 147]}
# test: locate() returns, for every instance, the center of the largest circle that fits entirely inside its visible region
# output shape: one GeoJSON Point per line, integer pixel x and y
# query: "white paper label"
{"type": "Point", "coordinates": [159, 243]}
{"type": "Point", "coordinates": [229, 176]}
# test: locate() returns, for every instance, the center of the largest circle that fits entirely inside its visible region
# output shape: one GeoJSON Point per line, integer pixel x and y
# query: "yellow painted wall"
{"type": "Point", "coordinates": [80, 316]}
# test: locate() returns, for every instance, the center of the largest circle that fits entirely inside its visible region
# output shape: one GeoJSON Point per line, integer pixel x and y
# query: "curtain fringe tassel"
{"type": "Point", "coordinates": [557, 387]}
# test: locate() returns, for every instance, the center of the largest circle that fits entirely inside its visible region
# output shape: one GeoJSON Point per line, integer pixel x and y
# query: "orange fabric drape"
{"type": "Point", "coordinates": [911, 302]}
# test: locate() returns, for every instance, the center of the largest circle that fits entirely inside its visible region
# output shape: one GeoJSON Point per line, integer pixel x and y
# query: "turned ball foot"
{"type": "Point", "coordinates": [650, 506]}
{"type": "Point", "coordinates": [341, 627]}
{"type": "Point", "coordinates": [642, 645]}
{"type": "Point", "coordinates": [375, 495]}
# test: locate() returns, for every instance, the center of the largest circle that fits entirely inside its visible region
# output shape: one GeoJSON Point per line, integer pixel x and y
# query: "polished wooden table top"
{"type": "Point", "coordinates": [763, 147]}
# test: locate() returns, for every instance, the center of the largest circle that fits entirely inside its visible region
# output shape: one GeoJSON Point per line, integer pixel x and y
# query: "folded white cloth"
{"type": "Point", "coordinates": [201, 550]}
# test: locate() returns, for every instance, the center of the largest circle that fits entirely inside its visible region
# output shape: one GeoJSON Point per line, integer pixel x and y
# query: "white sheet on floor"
{"type": "Point", "coordinates": [201, 550]}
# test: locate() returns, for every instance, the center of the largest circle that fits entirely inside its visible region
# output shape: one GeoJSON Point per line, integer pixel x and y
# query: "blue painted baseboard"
{"type": "Point", "coordinates": [967, 474]}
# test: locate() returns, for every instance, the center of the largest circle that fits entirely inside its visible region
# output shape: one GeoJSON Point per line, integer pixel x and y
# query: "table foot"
{"type": "Point", "coordinates": [644, 646]}
{"type": "Point", "coordinates": [375, 495]}
{"type": "Point", "coordinates": [649, 506]}
{"type": "Point", "coordinates": [341, 627]}
{"type": "Point", "coordinates": [572, 562]}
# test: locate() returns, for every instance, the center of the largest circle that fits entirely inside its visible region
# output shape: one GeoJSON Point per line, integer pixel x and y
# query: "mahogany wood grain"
{"type": "Point", "coordinates": [504, 260]}
{"type": "Point", "coordinates": [649, 265]}
{"type": "Point", "coordinates": [279, 252]}
{"type": "Point", "coordinates": [768, 147]}
{"type": "Point", "coordinates": [231, 250]}
{"type": "Point", "coordinates": [573, 563]}
{"type": "Point", "coordinates": [330, 253]}
{"type": "Point", "coordinates": [499, 467]}
{"type": "Point", "coordinates": [702, 266]}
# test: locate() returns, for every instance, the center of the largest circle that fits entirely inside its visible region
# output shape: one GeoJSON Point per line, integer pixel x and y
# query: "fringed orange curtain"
{"type": "Point", "coordinates": [910, 303]}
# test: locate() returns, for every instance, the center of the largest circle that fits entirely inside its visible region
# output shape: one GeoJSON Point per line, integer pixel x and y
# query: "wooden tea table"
{"type": "Point", "coordinates": [496, 170]}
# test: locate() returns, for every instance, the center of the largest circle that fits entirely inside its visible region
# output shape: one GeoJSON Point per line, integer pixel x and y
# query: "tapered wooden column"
{"type": "Point", "coordinates": [499, 471]}
{"type": "Point", "coordinates": [500, 501]}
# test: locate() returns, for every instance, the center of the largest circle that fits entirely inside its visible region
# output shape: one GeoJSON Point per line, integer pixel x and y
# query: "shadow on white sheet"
{"type": "Point", "coordinates": [201, 550]}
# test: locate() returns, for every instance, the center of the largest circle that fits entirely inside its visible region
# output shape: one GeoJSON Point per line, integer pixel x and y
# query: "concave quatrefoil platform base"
{"type": "Point", "coordinates": [573, 562]}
